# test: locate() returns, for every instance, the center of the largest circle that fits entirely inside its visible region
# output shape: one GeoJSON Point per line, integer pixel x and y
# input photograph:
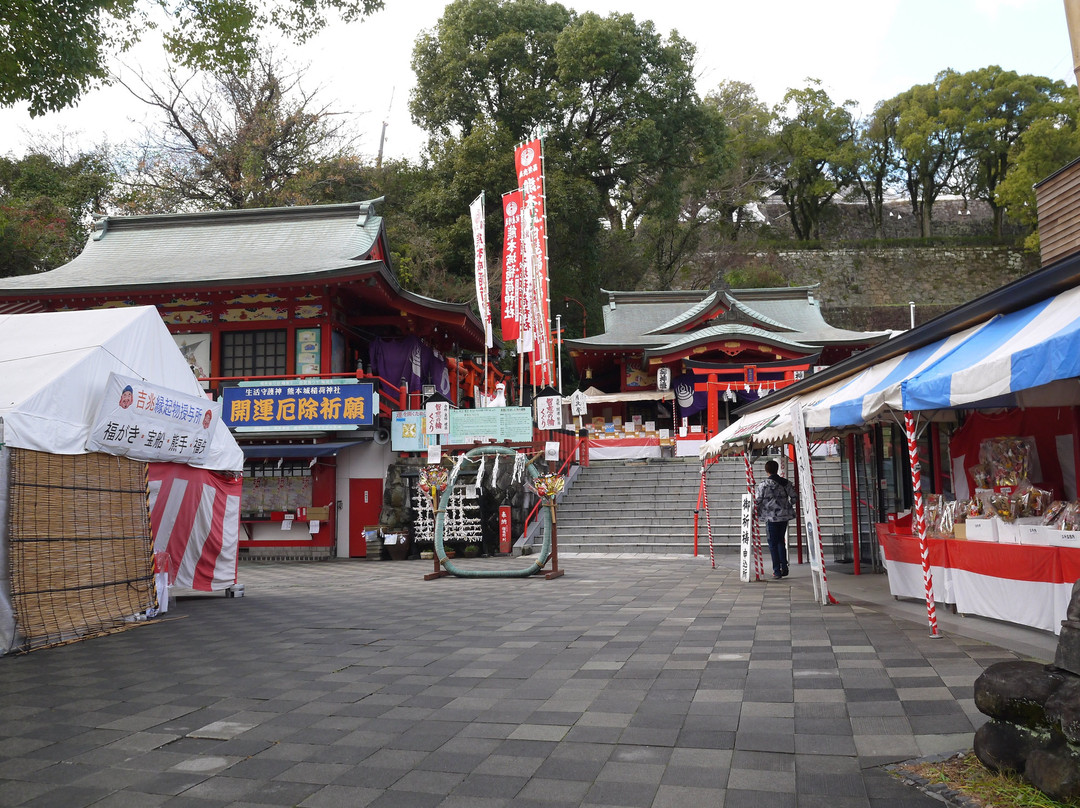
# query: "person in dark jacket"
{"type": "Point", "coordinates": [774, 503]}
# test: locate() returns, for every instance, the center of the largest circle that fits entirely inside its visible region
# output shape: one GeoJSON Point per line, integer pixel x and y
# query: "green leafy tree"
{"type": "Point", "coordinates": [624, 129]}
{"type": "Point", "coordinates": [239, 141]}
{"type": "Point", "coordinates": [1044, 147]}
{"type": "Point", "coordinates": [877, 167]}
{"type": "Point", "coordinates": [930, 135]}
{"type": "Point", "coordinates": [814, 155]}
{"type": "Point", "coordinates": [46, 202]}
{"type": "Point", "coordinates": [745, 178]}
{"type": "Point", "coordinates": [996, 108]}
{"type": "Point", "coordinates": [55, 50]}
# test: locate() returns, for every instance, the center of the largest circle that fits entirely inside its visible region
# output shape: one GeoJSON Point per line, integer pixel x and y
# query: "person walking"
{"type": "Point", "coordinates": [774, 502]}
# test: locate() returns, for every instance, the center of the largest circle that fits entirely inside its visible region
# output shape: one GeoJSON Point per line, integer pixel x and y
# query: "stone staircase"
{"type": "Point", "coordinates": [648, 506]}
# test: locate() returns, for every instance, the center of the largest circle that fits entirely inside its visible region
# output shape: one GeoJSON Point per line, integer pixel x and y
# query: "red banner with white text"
{"type": "Point", "coordinates": [511, 266]}
{"type": "Point", "coordinates": [529, 163]}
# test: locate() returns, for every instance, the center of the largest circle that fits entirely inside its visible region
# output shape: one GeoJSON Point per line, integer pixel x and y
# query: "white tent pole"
{"type": "Point", "coordinates": [919, 520]}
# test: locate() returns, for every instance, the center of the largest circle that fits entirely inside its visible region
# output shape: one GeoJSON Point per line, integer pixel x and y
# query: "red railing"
{"type": "Point", "coordinates": [582, 446]}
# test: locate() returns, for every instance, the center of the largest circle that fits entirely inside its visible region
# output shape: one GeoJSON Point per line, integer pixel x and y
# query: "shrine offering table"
{"type": "Point", "coordinates": [1019, 583]}
{"type": "Point", "coordinates": [623, 448]}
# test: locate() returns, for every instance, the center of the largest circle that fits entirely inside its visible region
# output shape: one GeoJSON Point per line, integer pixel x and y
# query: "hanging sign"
{"type": "Point", "coordinates": [663, 379]}
{"type": "Point", "coordinates": [579, 403]}
{"type": "Point", "coordinates": [146, 422]}
{"type": "Point", "coordinates": [299, 405]}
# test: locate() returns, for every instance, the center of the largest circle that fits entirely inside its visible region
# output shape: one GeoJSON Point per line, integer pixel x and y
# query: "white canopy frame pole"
{"type": "Point", "coordinates": [755, 525]}
{"type": "Point", "coordinates": [919, 519]}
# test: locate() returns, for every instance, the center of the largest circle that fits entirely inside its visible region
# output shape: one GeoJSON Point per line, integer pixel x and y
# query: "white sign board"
{"type": "Point", "coordinates": [150, 423]}
{"type": "Point", "coordinates": [746, 537]}
{"type": "Point", "coordinates": [579, 403]}
{"type": "Point", "coordinates": [438, 417]}
{"type": "Point", "coordinates": [434, 454]}
{"type": "Point", "coordinates": [809, 505]}
{"type": "Point", "coordinates": [551, 450]}
{"type": "Point", "coordinates": [549, 412]}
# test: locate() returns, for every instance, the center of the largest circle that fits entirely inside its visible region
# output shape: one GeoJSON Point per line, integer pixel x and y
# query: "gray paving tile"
{"type": "Point", "coordinates": [628, 682]}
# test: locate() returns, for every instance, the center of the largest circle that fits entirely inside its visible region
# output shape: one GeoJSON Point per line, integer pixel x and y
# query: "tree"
{"type": "Point", "coordinates": [877, 168]}
{"type": "Point", "coordinates": [996, 107]}
{"type": "Point", "coordinates": [46, 202]}
{"type": "Point", "coordinates": [624, 128]}
{"type": "Point", "coordinates": [929, 131]}
{"type": "Point", "coordinates": [238, 141]}
{"type": "Point", "coordinates": [814, 156]}
{"type": "Point", "coordinates": [56, 50]}
{"type": "Point", "coordinates": [746, 178]}
{"type": "Point", "coordinates": [1044, 147]}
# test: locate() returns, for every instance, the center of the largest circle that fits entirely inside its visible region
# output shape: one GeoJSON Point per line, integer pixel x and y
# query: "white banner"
{"type": "Point", "coordinates": [483, 296]}
{"type": "Point", "coordinates": [745, 537]}
{"type": "Point", "coordinates": [146, 422]}
{"type": "Point", "coordinates": [809, 504]}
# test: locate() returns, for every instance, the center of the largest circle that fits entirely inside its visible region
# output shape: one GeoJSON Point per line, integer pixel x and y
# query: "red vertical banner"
{"type": "Point", "coordinates": [512, 275]}
{"type": "Point", "coordinates": [529, 163]}
{"type": "Point", "coordinates": [505, 538]}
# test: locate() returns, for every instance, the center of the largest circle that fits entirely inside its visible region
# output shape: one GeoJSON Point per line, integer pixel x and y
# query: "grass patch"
{"type": "Point", "coordinates": [967, 775]}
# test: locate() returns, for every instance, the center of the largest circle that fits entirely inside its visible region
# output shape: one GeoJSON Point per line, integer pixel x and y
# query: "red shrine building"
{"type": "Point", "coordinates": [294, 319]}
{"type": "Point", "coordinates": [720, 349]}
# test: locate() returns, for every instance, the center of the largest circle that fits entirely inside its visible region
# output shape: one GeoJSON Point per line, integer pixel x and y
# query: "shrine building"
{"type": "Point", "coordinates": [284, 314]}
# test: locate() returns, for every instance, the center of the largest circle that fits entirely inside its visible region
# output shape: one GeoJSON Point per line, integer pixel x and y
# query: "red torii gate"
{"type": "Point", "coordinates": [718, 380]}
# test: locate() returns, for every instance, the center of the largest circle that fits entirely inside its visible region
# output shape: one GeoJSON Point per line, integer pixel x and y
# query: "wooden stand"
{"type": "Point", "coordinates": [439, 572]}
{"type": "Point", "coordinates": [555, 572]}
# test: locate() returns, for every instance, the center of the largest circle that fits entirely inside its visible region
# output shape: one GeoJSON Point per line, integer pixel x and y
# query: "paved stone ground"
{"type": "Point", "coordinates": [628, 682]}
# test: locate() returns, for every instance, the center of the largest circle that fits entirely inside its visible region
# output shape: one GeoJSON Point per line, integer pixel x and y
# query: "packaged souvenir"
{"type": "Point", "coordinates": [960, 511]}
{"type": "Point", "coordinates": [1053, 512]}
{"type": "Point", "coordinates": [1069, 518]}
{"type": "Point", "coordinates": [1030, 502]}
{"type": "Point", "coordinates": [981, 475]}
{"type": "Point", "coordinates": [1009, 460]}
{"type": "Point", "coordinates": [945, 520]}
{"type": "Point", "coordinates": [1002, 507]}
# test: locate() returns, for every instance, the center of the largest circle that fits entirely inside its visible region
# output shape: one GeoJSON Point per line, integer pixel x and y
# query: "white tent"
{"type": "Point", "coordinates": [54, 371]}
{"type": "Point", "coordinates": [54, 367]}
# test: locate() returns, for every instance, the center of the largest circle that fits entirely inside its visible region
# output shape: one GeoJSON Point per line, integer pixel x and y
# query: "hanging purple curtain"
{"type": "Point", "coordinates": [689, 400]}
{"type": "Point", "coordinates": [410, 359]}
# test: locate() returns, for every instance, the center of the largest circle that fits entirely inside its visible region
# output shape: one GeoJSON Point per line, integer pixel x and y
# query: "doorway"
{"type": "Point", "coordinates": [365, 506]}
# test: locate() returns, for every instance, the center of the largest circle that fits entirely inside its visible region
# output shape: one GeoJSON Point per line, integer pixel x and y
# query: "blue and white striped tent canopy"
{"type": "Point", "coordinates": [866, 397]}
{"type": "Point", "coordinates": [1028, 357]}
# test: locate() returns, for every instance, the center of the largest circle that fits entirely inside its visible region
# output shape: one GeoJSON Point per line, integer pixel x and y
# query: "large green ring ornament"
{"type": "Point", "coordinates": [440, 518]}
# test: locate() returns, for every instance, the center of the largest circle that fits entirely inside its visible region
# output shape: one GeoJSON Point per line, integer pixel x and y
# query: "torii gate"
{"type": "Point", "coordinates": [720, 380]}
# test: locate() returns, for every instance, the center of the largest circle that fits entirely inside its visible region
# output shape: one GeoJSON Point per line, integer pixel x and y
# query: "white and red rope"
{"type": "Point", "coordinates": [919, 520]}
{"type": "Point", "coordinates": [708, 516]}
{"type": "Point", "coordinates": [755, 527]}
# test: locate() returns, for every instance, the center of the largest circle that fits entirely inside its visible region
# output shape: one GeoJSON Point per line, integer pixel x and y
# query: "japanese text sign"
{"type": "Point", "coordinates": [300, 405]}
{"type": "Point", "coordinates": [146, 422]}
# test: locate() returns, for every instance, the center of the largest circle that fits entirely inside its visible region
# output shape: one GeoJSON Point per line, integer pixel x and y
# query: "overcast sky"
{"type": "Point", "coordinates": [863, 50]}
